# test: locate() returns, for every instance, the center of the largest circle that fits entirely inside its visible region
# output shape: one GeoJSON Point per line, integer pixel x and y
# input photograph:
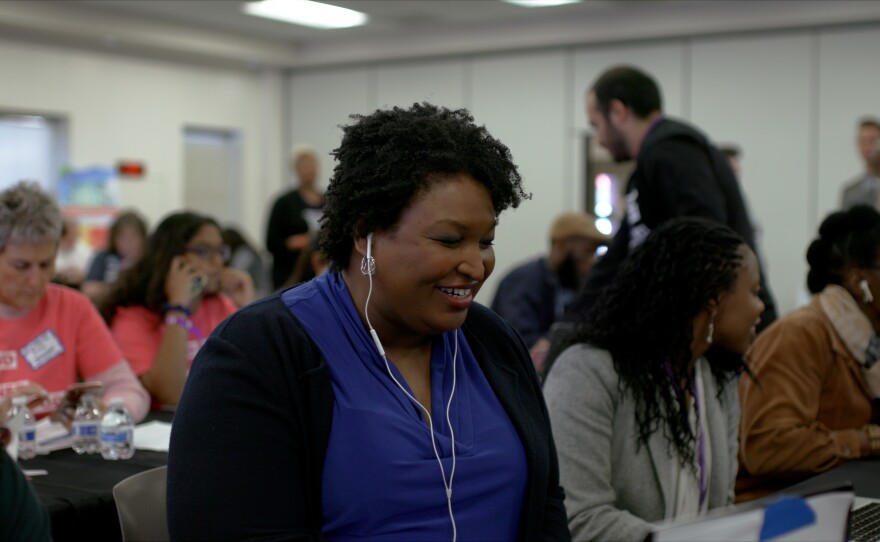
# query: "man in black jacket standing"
{"type": "Point", "coordinates": [678, 173]}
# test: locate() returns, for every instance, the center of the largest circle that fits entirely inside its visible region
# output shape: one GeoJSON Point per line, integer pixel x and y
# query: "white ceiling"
{"type": "Point", "coordinates": [385, 16]}
{"type": "Point", "coordinates": [218, 32]}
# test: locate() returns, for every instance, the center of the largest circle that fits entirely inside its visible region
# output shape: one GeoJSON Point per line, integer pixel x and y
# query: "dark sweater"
{"type": "Point", "coordinates": [286, 219]}
{"type": "Point", "coordinates": [678, 173]}
{"type": "Point", "coordinates": [526, 297]}
{"type": "Point", "coordinates": [251, 430]}
{"type": "Point", "coordinates": [22, 517]}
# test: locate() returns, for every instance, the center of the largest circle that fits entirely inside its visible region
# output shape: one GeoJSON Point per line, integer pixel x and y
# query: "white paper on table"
{"type": "Point", "coordinates": [52, 436]}
{"type": "Point", "coordinates": [744, 522]}
{"type": "Point", "coordinates": [153, 435]}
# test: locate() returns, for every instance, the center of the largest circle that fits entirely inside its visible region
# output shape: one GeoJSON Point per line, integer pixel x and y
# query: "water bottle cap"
{"type": "Point", "coordinates": [19, 400]}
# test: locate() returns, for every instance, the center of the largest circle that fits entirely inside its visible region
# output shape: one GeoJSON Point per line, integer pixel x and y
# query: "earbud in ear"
{"type": "Point", "coordinates": [368, 263]}
{"type": "Point", "coordinates": [867, 296]}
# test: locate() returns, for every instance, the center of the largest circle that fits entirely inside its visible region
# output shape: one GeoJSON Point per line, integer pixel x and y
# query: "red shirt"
{"type": "Point", "coordinates": [138, 330]}
{"type": "Point", "coordinates": [60, 341]}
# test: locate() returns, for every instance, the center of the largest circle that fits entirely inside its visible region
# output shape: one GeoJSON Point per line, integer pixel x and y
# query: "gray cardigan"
{"type": "Point", "coordinates": [613, 486]}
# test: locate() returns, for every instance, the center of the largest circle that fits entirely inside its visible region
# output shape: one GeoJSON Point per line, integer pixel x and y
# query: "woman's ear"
{"type": "Point", "coordinates": [360, 245]}
{"type": "Point", "coordinates": [852, 276]}
{"type": "Point", "coordinates": [359, 237]}
{"type": "Point", "coordinates": [714, 304]}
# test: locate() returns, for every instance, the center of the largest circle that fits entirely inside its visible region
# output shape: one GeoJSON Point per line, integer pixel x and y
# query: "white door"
{"type": "Point", "coordinates": [211, 169]}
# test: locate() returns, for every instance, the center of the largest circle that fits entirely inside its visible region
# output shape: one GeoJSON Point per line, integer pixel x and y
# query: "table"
{"type": "Point", "coordinates": [77, 492]}
{"type": "Point", "coordinates": [864, 474]}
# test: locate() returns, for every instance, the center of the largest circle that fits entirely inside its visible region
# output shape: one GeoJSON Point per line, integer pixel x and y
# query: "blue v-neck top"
{"type": "Point", "coordinates": [381, 478]}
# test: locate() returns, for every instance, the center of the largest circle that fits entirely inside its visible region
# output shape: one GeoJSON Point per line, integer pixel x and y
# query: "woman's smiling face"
{"type": "Point", "coordinates": [433, 261]}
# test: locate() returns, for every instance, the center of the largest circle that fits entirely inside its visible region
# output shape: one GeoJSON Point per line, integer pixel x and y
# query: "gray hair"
{"type": "Point", "coordinates": [301, 149]}
{"type": "Point", "coordinates": [28, 214]}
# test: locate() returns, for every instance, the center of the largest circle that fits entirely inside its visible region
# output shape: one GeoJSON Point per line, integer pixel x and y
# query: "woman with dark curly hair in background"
{"type": "Point", "coordinates": [377, 401]}
{"type": "Point", "coordinates": [817, 367]}
{"type": "Point", "coordinates": [161, 310]}
{"type": "Point", "coordinates": [644, 404]}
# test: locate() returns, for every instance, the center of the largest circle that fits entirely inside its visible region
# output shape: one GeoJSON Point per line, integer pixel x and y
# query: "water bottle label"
{"type": "Point", "coordinates": [27, 435]}
{"type": "Point", "coordinates": [115, 438]}
{"type": "Point", "coordinates": [86, 430]}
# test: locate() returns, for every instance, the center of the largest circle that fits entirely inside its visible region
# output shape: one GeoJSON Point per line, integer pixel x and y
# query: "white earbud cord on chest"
{"type": "Point", "coordinates": [446, 483]}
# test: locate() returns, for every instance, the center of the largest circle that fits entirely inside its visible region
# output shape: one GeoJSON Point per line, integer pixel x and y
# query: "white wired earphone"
{"type": "Point", "coordinates": [368, 268]}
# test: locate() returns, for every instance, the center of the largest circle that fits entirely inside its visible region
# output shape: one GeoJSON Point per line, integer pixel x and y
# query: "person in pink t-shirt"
{"type": "Point", "coordinates": [162, 309]}
{"type": "Point", "coordinates": [50, 336]}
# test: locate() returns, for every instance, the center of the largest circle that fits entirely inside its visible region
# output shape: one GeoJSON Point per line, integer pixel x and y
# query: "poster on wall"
{"type": "Point", "coordinates": [90, 197]}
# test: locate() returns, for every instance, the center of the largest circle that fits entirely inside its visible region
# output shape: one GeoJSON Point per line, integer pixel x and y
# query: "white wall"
{"type": "Point", "coordinates": [789, 98]}
{"type": "Point", "coordinates": [849, 87]}
{"type": "Point", "coordinates": [756, 91]}
{"type": "Point", "coordinates": [320, 103]}
{"type": "Point", "coordinates": [122, 107]}
{"type": "Point", "coordinates": [522, 103]}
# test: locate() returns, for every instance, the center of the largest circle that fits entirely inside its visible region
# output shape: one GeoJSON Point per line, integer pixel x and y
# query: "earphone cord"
{"type": "Point", "coordinates": [446, 485]}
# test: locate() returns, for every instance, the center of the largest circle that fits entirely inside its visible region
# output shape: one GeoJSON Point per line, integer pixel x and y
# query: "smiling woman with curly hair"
{"type": "Point", "coordinates": [385, 403]}
{"type": "Point", "coordinates": [644, 404]}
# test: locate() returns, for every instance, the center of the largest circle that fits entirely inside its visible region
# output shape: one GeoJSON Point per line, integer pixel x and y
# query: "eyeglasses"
{"type": "Point", "coordinates": [205, 252]}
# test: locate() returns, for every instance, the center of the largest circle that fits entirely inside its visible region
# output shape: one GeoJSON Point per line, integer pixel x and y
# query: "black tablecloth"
{"type": "Point", "coordinates": [78, 489]}
{"type": "Point", "coordinates": [864, 474]}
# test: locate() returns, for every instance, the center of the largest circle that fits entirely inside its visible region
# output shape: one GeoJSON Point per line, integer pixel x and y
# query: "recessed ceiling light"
{"type": "Point", "coordinates": [540, 3]}
{"type": "Point", "coordinates": [306, 12]}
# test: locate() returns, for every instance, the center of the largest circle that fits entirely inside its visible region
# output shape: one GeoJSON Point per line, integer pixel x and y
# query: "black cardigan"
{"type": "Point", "coordinates": [678, 173]}
{"type": "Point", "coordinates": [250, 433]}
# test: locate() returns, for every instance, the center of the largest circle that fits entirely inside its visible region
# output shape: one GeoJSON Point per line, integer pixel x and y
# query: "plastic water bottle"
{"type": "Point", "coordinates": [21, 420]}
{"type": "Point", "coordinates": [117, 432]}
{"type": "Point", "coordinates": [86, 425]}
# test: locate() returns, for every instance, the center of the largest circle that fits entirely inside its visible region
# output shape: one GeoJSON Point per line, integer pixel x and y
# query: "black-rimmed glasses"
{"type": "Point", "coordinates": [205, 252]}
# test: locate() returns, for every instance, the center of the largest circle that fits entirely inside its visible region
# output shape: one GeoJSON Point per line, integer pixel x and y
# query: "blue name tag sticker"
{"type": "Point", "coordinates": [42, 350]}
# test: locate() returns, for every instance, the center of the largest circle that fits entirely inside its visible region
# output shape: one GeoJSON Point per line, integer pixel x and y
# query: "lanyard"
{"type": "Point", "coordinates": [701, 447]}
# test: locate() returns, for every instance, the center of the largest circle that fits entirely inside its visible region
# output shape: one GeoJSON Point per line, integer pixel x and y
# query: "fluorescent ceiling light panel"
{"type": "Point", "coordinates": [306, 12]}
{"type": "Point", "coordinates": [540, 3]}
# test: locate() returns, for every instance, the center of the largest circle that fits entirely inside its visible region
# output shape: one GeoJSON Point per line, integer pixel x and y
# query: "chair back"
{"type": "Point", "coordinates": [140, 503]}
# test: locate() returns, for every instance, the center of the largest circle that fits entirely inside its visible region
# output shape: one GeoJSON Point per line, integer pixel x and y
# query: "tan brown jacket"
{"type": "Point", "coordinates": [804, 414]}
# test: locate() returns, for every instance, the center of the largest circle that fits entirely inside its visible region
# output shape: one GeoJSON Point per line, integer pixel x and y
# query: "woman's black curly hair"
{"type": "Point", "coordinates": [390, 156]}
{"type": "Point", "coordinates": [644, 318]}
{"type": "Point", "coordinates": [144, 282]}
{"type": "Point", "coordinates": [849, 237]}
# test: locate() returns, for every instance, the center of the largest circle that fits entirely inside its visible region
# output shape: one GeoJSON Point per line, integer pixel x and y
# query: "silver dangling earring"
{"type": "Point", "coordinates": [711, 330]}
{"type": "Point", "coordinates": [867, 296]}
{"type": "Point", "coordinates": [368, 265]}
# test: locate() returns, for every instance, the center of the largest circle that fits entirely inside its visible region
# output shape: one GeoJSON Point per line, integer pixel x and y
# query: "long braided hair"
{"type": "Point", "coordinates": [644, 318]}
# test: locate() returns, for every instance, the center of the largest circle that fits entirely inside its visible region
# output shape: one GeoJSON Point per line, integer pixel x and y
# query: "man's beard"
{"type": "Point", "coordinates": [568, 273]}
{"type": "Point", "coordinates": [618, 149]}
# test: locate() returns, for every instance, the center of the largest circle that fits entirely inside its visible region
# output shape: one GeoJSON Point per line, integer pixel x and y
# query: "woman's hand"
{"type": "Point", "coordinates": [538, 352]}
{"type": "Point", "coordinates": [179, 282]}
{"type": "Point", "coordinates": [38, 395]}
{"type": "Point", "coordinates": [238, 285]}
{"type": "Point", "coordinates": [298, 241]}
